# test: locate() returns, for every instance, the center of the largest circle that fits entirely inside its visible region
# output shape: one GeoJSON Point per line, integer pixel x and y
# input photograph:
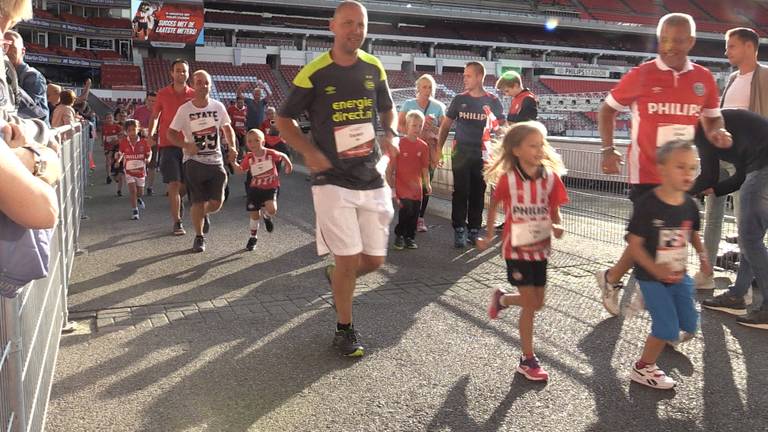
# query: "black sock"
{"type": "Point", "coordinates": [344, 327]}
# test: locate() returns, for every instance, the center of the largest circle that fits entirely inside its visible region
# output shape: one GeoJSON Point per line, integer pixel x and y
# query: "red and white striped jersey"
{"type": "Point", "coordinates": [665, 105]}
{"type": "Point", "coordinates": [526, 200]}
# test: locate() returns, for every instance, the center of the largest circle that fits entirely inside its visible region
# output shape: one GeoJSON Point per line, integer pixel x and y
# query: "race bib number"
{"type": "Point", "coordinates": [674, 132]}
{"type": "Point", "coordinates": [261, 167]}
{"type": "Point", "coordinates": [673, 248]}
{"type": "Point", "coordinates": [354, 140]}
{"type": "Point", "coordinates": [202, 124]}
{"type": "Point", "coordinates": [134, 165]}
{"type": "Point", "coordinates": [526, 233]}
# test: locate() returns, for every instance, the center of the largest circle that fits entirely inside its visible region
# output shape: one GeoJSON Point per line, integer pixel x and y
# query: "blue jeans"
{"type": "Point", "coordinates": [671, 307]}
{"type": "Point", "coordinates": [752, 227]}
{"type": "Point", "coordinates": [714, 211]}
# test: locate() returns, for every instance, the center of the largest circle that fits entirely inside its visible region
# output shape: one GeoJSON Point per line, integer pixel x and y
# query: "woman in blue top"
{"type": "Point", "coordinates": [434, 111]}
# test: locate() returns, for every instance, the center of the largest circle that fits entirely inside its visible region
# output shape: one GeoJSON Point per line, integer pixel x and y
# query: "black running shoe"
{"type": "Point", "coordinates": [348, 343]}
{"type": "Point", "coordinates": [141, 204]}
{"type": "Point", "coordinates": [473, 235]}
{"type": "Point", "coordinates": [178, 229]}
{"type": "Point", "coordinates": [410, 243]}
{"type": "Point", "coordinates": [206, 224]}
{"type": "Point", "coordinates": [119, 192]}
{"type": "Point", "coordinates": [109, 179]}
{"type": "Point", "coordinates": [399, 243]}
{"type": "Point", "coordinates": [268, 224]}
{"type": "Point", "coordinates": [199, 244]}
{"type": "Point", "coordinates": [149, 191]}
{"type": "Point", "coordinates": [251, 244]}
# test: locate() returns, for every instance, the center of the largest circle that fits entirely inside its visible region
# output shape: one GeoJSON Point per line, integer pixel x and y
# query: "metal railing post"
{"type": "Point", "coordinates": [15, 362]}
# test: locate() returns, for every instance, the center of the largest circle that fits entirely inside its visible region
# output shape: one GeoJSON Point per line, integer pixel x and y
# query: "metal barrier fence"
{"type": "Point", "coordinates": [599, 206]}
{"type": "Point", "coordinates": [31, 323]}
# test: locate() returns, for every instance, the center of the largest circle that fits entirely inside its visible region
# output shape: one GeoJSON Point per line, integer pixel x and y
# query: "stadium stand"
{"type": "Point", "coordinates": [120, 75]}
{"type": "Point", "coordinates": [567, 86]}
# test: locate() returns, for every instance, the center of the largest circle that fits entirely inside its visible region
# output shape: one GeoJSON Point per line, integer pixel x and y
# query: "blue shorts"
{"type": "Point", "coordinates": [671, 307]}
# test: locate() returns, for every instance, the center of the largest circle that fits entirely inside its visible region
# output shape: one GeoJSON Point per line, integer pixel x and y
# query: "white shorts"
{"type": "Point", "coordinates": [350, 222]}
{"type": "Point", "coordinates": [138, 180]}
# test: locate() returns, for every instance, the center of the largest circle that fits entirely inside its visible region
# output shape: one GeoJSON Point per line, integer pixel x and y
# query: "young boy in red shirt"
{"type": "Point", "coordinates": [134, 154]}
{"type": "Point", "coordinates": [261, 163]}
{"type": "Point", "coordinates": [411, 174]}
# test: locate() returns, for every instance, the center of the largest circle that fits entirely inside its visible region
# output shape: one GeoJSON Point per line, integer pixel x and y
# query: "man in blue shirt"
{"type": "Point", "coordinates": [30, 79]}
{"type": "Point", "coordinates": [256, 106]}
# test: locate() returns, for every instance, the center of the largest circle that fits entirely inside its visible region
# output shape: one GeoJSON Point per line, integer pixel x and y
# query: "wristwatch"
{"type": "Point", "coordinates": [38, 169]}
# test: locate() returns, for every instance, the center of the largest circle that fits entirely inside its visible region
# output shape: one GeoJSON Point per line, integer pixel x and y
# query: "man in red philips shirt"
{"type": "Point", "coordinates": [667, 96]}
{"type": "Point", "coordinates": [168, 101]}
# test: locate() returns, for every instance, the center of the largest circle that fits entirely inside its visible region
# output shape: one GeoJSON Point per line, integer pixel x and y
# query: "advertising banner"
{"type": "Point", "coordinates": [167, 24]}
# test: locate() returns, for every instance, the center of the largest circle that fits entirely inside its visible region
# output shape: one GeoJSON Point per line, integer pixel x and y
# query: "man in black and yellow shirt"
{"type": "Point", "coordinates": [341, 90]}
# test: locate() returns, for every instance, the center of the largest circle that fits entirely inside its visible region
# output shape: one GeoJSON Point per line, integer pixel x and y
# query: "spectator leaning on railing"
{"type": "Point", "coordinates": [30, 79]}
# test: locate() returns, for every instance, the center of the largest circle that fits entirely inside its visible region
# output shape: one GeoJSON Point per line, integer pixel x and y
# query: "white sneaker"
{"type": "Point", "coordinates": [684, 337]}
{"type": "Point", "coordinates": [651, 376]}
{"type": "Point", "coordinates": [609, 292]}
{"type": "Point", "coordinates": [704, 282]}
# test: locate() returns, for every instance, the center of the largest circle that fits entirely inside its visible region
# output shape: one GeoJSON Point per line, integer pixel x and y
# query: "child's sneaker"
{"type": "Point", "coordinates": [135, 214]}
{"type": "Point", "coordinates": [178, 229]}
{"type": "Point", "coordinates": [421, 226]}
{"type": "Point", "coordinates": [251, 244]}
{"type": "Point", "coordinates": [410, 243]}
{"type": "Point", "coordinates": [609, 292]}
{"type": "Point", "coordinates": [399, 243]}
{"type": "Point", "coordinates": [651, 376]}
{"type": "Point", "coordinates": [268, 224]}
{"type": "Point", "coordinates": [141, 204]}
{"type": "Point", "coordinates": [531, 369]}
{"type": "Point", "coordinates": [495, 306]}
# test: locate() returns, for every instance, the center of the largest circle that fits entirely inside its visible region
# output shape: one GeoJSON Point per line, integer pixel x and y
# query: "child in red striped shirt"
{"type": "Point", "coordinates": [529, 188]}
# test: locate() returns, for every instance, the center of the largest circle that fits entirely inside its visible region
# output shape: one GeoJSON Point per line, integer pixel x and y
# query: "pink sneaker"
{"type": "Point", "coordinates": [421, 226]}
{"type": "Point", "coordinates": [495, 306]}
{"type": "Point", "coordinates": [531, 369]}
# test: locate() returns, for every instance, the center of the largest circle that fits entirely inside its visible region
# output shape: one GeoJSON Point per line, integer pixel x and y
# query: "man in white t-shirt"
{"type": "Point", "coordinates": [197, 128]}
{"type": "Point", "coordinates": [747, 89]}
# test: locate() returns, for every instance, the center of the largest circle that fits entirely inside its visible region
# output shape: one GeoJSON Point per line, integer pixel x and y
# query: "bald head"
{"type": "Point", "coordinates": [350, 5]}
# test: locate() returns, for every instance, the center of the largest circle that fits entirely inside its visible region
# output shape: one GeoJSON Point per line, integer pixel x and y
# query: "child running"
{"type": "Point", "coordinates": [110, 132]}
{"type": "Point", "coordinates": [527, 176]}
{"type": "Point", "coordinates": [662, 225]}
{"type": "Point", "coordinates": [261, 163]}
{"type": "Point", "coordinates": [134, 154]}
{"type": "Point", "coordinates": [411, 174]}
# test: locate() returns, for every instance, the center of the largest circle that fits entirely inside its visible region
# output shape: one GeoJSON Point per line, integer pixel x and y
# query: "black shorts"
{"type": "Point", "coordinates": [141, 26]}
{"type": "Point", "coordinates": [204, 182]}
{"type": "Point", "coordinates": [637, 191]}
{"type": "Point", "coordinates": [257, 197]}
{"type": "Point", "coordinates": [527, 273]}
{"type": "Point", "coordinates": [170, 164]}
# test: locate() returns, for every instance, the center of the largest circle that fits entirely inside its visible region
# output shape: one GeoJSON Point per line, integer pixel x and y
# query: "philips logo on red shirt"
{"type": "Point", "coordinates": [670, 108]}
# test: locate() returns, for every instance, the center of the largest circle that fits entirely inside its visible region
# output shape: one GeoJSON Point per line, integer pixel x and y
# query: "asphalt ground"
{"type": "Point", "coordinates": [230, 340]}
